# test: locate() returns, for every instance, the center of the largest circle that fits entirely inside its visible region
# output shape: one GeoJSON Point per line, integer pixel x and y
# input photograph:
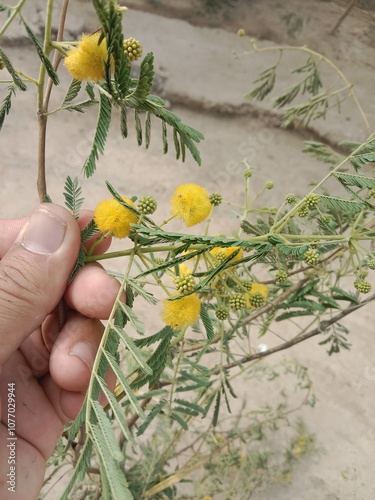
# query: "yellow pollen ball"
{"type": "Point", "coordinates": [181, 313]}
{"type": "Point", "coordinates": [191, 203]}
{"type": "Point", "coordinates": [86, 62]}
{"type": "Point", "coordinates": [113, 218]}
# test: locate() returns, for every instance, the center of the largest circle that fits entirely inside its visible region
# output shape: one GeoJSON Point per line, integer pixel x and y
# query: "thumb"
{"type": "Point", "coordinates": [34, 273]}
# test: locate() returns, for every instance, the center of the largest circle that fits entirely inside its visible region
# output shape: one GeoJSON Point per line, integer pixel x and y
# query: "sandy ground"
{"type": "Point", "coordinates": [205, 84]}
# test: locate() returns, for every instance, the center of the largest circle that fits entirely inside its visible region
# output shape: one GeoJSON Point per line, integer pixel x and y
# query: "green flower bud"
{"type": "Point", "coordinates": [303, 211]}
{"type": "Point", "coordinates": [362, 286]}
{"type": "Point", "coordinates": [281, 277]}
{"type": "Point", "coordinates": [185, 283]}
{"type": "Point", "coordinates": [247, 173]}
{"type": "Point", "coordinates": [222, 313]}
{"type": "Point", "coordinates": [291, 198]}
{"type": "Point", "coordinates": [256, 299]}
{"type": "Point", "coordinates": [311, 257]}
{"type": "Point", "coordinates": [312, 200]}
{"type": "Point", "coordinates": [237, 301]}
{"type": "Point", "coordinates": [269, 185]}
{"type": "Point", "coordinates": [133, 49]}
{"type": "Point", "coordinates": [147, 205]}
{"type": "Point", "coordinates": [216, 199]}
{"type": "Point", "coordinates": [248, 285]}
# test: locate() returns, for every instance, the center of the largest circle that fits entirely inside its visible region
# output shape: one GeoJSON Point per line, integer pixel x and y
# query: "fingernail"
{"type": "Point", "coordinates": [44, 233]}
{"type": "Point", "coordinates": [85, 351]}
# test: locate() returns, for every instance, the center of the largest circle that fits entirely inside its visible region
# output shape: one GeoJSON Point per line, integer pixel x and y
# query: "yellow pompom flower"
{"type": "Point", "coordinates": [221, 254]}
{"type": "Point", "coordinates": [86, 62]}
{"type": "Point", "coordinates": [256, 295]}
{"type": "Point", "coordinates": [113, 218]}
{"type": "Point", "coordinates": [181, 313]}
{"type": "Point", "coordinates": [191, 203]}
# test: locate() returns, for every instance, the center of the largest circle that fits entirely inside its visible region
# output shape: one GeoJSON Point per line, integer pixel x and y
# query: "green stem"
{"type": "Point", "coordinates": [41, 108]}
{"type": "Point", "coordinates": [15, 10]}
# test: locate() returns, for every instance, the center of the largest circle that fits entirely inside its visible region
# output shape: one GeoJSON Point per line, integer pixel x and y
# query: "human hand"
{"type": "Point", "coordinates": [48, 366]}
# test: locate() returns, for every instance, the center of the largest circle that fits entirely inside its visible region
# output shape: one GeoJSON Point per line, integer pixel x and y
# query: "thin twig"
{"type": "Point", "coordinates": [301, 338]}
{"type": "Point", "coordinates": [343, 16]}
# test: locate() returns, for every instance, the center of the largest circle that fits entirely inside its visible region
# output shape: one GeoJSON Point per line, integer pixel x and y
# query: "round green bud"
{"type": "Point", "coordinates": [326, 219]}
{"type": "Point", "coordinates": [216, 199]}
{"type": "Point", "coordinates": [362, 286]}
{"type": "Point", "coordinates": [159, 261]}
{"type": "Point", "coordinates": [237, 301]}
{"type": "Point", "coordinates": [248, 285]}
{"type": "Point", "coordinates": [222, 313]}
{"type": "Point", "coordinates": [269, 185]}
{"type": "Point", "coordinates": [133, 49]}
{"type": "Point", "coordinates": [281, 277]}
{"type": "Point", "coordinates": [371, 263]}
{"type": "Point", "coordinates": [312, 200]}
{"type": "Point", "coordinates": [291, 198]}
{"type": "Point", "coordinates": [247, 173]}
{"type": "Point", "coordinates": [147, 205]}
{"type": "Point", "coordinates": [303, 211]}
{"type": "Point", "coordinates": [256, 299]}
{"type": "Point", "coordinates": [372, 191]}
{"type": "Point", "coordinates": [185, 283]}
{"type": "Point", "coordinates": [311, 257]}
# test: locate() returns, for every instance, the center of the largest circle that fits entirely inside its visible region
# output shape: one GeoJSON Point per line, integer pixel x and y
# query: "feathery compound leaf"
{"type": "Point", "coordinates": [266, 82]}
{"type": "Point", "coordinates": [158, 359]}
{"type": "Point", "coordinates": [146, 77]}
{"type": "Point", "coordinates": [16, 79]}
{"type": "Point", "coordinates": [346, 206]}
{"type": "Point", "coordinates": [150, 417]}
{"type": "Point", "coordinates": [133, 349]}
{"type": "Point", "coordinates": [113, 474]}
{"type": "Point", "coordinates": [89, 231]}
{"type": "Point", "coordinates": [72, 192]}
{"type": "Point", "coordinates": [358, 161]}
{"type": "Point", "coordinates": [39, 48]}
{"type": "Point", "coordinates": [147, 341]}
{"type": "Point", "coordinates": [6, 104]}
{"type": "Point", "coordinates": [117, 410]}
{"type": "Point", "coordinates": [133, 318]}
{"type": "Point", "coordinates": [356, 180]}
{"type": "Point", "coordinates": [138, 127]}
{"type": "Point", "coordinates": [206, 320]}
{"type": "Point", "coordinates": [80, 469]}
{"type": "Point", "coordinates": [124, 384]}
{"type": "Point", "coordinates": [123, 121]}
{"type": "Point", "coordinates": [104, 425]}
{"type": "Point", "coordinates": [72, 92]}
{"type": "Point", "coordinates": [322, 152]}
{"type": "Point", "coordinates": [100, 137]}
{"type": "Point", "coordinates": [79, 264]}
{"type": "Point", "coordinates": [138, 289]}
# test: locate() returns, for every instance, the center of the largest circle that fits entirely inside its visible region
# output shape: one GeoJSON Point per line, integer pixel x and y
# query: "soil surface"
{"type": "Point", "coordinates": [204, 71]}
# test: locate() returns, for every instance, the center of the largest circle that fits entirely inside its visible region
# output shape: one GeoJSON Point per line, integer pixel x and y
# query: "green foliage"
{"type": "Point", "coordinates": [18, 82]}
{"type": "Point", "coordinates": [72, 193]}
{"type": "Point", "coordinates": [6, 104]}
{"type": "Point", "coordinates": [39, 48]}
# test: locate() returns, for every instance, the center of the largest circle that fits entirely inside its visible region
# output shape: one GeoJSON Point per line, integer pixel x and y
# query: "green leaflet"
{"type": "Point", "coordinates": [7, 104]}
{"type": "Point", "coordinates": [72, 92]}
{"type": "Point", "coordinates": [16, 79]}
{"type": "Point", "coordinates": [100, 137]}
{"type": "Point", "coordinates": [72, 193]}
{"type": "Point", "coordinates": [150, 417]}
{"type": "Point", "coordinates": [359, 181]}
{"type": "Point", "coordinates": [346, 206]}
{"type": "Point", "coordinates": [125, 385]}
{"type": "Point", "coordinates": [39, 48]}
{"type": "Point", "coordinates": [206, 320]}
{"type": "Point", "coordinates": [133, 318]}
{"type": "Point", "coordinates": [80, 468]}
{"type": "Point", "coordinates": [89, 231]}
{"type": "Point", "coordinates": [109, 466]}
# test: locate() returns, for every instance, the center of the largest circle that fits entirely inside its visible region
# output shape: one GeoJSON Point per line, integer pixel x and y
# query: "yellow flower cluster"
{"type": "Point", "coordinates": [114, 219]}
{"type": "Point", "coordinates": [86, 62]}
{"type": "Point", "coordinates": [191, 203]}
{"type": "Point", "coordinates": [181, 313]}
